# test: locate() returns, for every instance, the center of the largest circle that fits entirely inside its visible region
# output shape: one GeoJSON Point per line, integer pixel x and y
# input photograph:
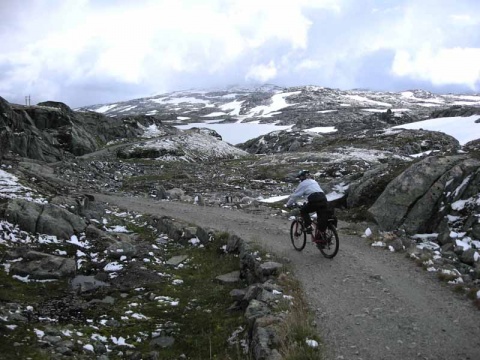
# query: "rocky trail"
{"type": "Point", "coordinates": [368, 303]}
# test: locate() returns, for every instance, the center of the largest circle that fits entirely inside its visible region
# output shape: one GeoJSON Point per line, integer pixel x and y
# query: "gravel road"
{"type": "Point", "coordinates": [368, 303]}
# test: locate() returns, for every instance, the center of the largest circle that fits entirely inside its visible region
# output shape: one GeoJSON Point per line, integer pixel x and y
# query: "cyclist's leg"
{"type": "Point", "coordinates": [305, 211]}
{"type": "Point", "coordinates": [321, 207]}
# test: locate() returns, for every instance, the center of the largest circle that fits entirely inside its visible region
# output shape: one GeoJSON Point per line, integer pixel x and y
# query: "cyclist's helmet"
{"type": "Point", "coordinates": [302, 174]}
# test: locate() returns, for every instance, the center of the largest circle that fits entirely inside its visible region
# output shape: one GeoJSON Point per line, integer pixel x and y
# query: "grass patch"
{"type": "Point", "coordinates": [298, 325]}
{"type": "Point", "coordinates": [472, 293]}
{"type": "Point", "coordinates": [446, 277]}
{"type": "Point", "coordinates": [16, 291]}
{"type": "Point", "coordinates": [20, 295]}
{"type": "Point", "coordinates": [189, 306]}
{"type": "Point", "coordinates": [150, 299]}
{"type": "Point", "coordinates": [459, 289]}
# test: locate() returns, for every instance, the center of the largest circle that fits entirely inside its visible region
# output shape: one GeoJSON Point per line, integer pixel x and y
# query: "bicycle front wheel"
{"type": "Point", "coordinates": [330, 248]}
{"type": "Point", "coordinates": [298, 235]}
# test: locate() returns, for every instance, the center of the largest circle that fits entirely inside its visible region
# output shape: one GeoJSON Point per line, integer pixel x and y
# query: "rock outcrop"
{"type": "Point", "coordinates": [42, 218]}
{"type": "Point", "coordinates": [51, 131]}
{"type": "Point", "coordinates": [420, 197]}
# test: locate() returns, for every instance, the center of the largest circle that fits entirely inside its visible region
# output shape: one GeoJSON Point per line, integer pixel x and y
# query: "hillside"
{"type": "Point", "coordinates": [85, 197]}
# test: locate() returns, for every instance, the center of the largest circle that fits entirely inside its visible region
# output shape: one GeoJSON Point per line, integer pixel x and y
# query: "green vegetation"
{"type": "Point", "coordinates": [298, 325]}
{"type": "Point", "coordinates": [148, 300]}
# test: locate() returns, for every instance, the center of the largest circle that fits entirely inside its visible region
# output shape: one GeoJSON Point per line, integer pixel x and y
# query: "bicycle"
{"type": "Point", "coordinates": [327, 242]}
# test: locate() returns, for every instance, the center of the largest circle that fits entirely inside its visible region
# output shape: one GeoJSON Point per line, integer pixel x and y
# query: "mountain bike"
{"type": "Point", "coordinates": [327, 242]}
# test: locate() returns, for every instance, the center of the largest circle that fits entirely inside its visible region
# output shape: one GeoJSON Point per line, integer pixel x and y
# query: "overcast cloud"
{"type": "Point", "coordinates": [85, 52]}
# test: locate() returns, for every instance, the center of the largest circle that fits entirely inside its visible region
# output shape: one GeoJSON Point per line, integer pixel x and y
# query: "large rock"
{"type": "Point", "coordinates": [413, 199]}
{"type": "Point", "coordinates": [42, 218]}
{"type": "Point", "coordinates": [365, 190]}
{"type": "Point", "coordinates": [37, 265]}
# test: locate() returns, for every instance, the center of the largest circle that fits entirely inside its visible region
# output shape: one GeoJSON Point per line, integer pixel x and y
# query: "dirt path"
{"type": "Point", "coordinates": [369, 304]}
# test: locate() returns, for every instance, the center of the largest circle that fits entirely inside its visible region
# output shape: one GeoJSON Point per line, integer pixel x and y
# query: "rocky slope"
{"type": "Point", "coordinates": [302, 107]}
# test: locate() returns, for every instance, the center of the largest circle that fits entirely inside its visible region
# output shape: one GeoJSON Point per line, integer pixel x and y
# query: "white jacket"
{"type": "Point", "coordinates": [305, 188]}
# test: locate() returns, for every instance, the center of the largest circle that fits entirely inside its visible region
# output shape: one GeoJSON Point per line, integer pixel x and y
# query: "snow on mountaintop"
{"type": "Point", "coordinates": [364, 100]}
{"type": "Point", "coordinates": [271, 103]}
{"type": "Point", "coordinates": [305, 108]}
{"type": "Point", "coordinates": [234, 107]}
{"type": "Point", "coordinates": [179, 100]}
{"type": "Point", "coordinates": [278, 103]}
{"type": "Point", "coordinates": [105, 108]}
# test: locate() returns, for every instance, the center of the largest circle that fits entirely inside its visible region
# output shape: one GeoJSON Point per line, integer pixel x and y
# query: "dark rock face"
{"type": "Point", "coordinates": [365, 190]}
{"type": "Point", "coordinates": [281, 141]}
{"type": "Point", "coordinates": [416, 200]}
{"type": "Point", "coordinates": [456, 110]}
{"type": "Point", "coordinates": [400, 142]}
{"type": "Point", "coordinates": [51, 131]}
{"type": "Point", "coordinates": [42, 218]}
{"type": "Point", "coordinates": [39, 265]}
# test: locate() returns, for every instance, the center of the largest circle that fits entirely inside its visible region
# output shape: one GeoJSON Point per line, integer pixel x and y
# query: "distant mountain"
{"type": "Point", "coordinates": [302, 106]}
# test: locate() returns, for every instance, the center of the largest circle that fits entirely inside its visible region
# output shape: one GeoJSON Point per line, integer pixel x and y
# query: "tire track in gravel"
{"type": "Point", "coordinates": [368, 303]}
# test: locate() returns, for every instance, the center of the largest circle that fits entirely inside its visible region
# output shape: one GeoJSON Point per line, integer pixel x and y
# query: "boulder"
{"type": "Point", "coordinates": [39, 265]}
{"type": "Point", "coordinates": [82, 283]}
{"type": "Point", "coordinates": [414, 197]}
{"type": "Point", "coordinates": [117, 249]}
{"type": "Point", "coordinates": [265, 337]}
{"type": "Point", "coordinates": [475, 233]}
{"type": "Point", "coordinates": [256, 309]}
{"type": "Point", "coordinates": [365, 190]}
{"type": "Point", "coordinates": [230, 278]}
{"type": "Point", "coordinates": [468, 256]}
{"type": "Point", "coordinates": [42, 218]}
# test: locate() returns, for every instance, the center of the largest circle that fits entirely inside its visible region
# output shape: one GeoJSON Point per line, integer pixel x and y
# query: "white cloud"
{"type": "Point", "coordinates": [262, 72]}
{"type": "Point", "coordinates": [444, 66]}
{"type": "Point", "coordinates": [142, 42]}
{"type": "Point", "coordinates": [464, 20]}
{"type": "Point", "coordinates": [51, 46]}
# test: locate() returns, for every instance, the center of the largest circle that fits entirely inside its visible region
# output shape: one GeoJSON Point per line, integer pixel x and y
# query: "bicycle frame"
{"type": "Point", "coordinates": [315, 235]}
{"type": "Point", "coordinates": [327, 242]}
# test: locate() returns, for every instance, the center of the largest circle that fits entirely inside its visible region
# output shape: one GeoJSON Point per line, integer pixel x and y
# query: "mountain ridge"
{"type": "Point", "coordinates": [244, 104]}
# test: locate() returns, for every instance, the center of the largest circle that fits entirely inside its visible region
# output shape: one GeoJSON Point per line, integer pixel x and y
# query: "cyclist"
{"type": "Point", "coordinates": [316, 201]}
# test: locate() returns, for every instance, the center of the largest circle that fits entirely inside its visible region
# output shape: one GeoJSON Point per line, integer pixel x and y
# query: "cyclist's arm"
{"type": "Point", "coordinates": [299, 192]}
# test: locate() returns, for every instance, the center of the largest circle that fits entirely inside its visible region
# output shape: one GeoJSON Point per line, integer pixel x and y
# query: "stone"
{"type": "Point", "coordinates": [121, 248]}
{"type": "Point", "coordinates": [468, 256]}
{"type": "Point", "coordinates": [256, 309]}
{"type": "Point", "coordinates": [176, 260]}
{"type": "Point", "coordinates": [475, 232]}
{"type": "Point", "coordinates": [162, 342]}
{"type": "Point", "coordinates": [83, 283]}
{"type": "Point", "coordinates": [41, 266]}
{"type": "Point", "coordinates": [268, 297]}
{"type": "Point", "coordinates": [175, 193]}
{"type": "Point", "coordinates": [397, 245]}
{"type": "Point", "coordinates": [270, 268]}
{"type": "Point", "coordinates": [230, 278]}
{"type": "Point", "coordinates": [237, 294]}
{"type": "Point", "coordinates": [233, 244]}
{"type": "Point", "coordinates": [252, 292]}
{"type": "Point", "coordinates": [52, 339]}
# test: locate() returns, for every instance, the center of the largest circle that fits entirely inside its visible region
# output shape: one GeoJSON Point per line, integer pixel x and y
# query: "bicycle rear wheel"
{"type": "Point", "coordinates": [330, 247]}
{"type": "Point", "coordinates": [298, 235]}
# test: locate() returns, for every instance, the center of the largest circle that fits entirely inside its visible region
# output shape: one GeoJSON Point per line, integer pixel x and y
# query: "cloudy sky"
{"type": "Point", "coordinates": [85, 52]}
